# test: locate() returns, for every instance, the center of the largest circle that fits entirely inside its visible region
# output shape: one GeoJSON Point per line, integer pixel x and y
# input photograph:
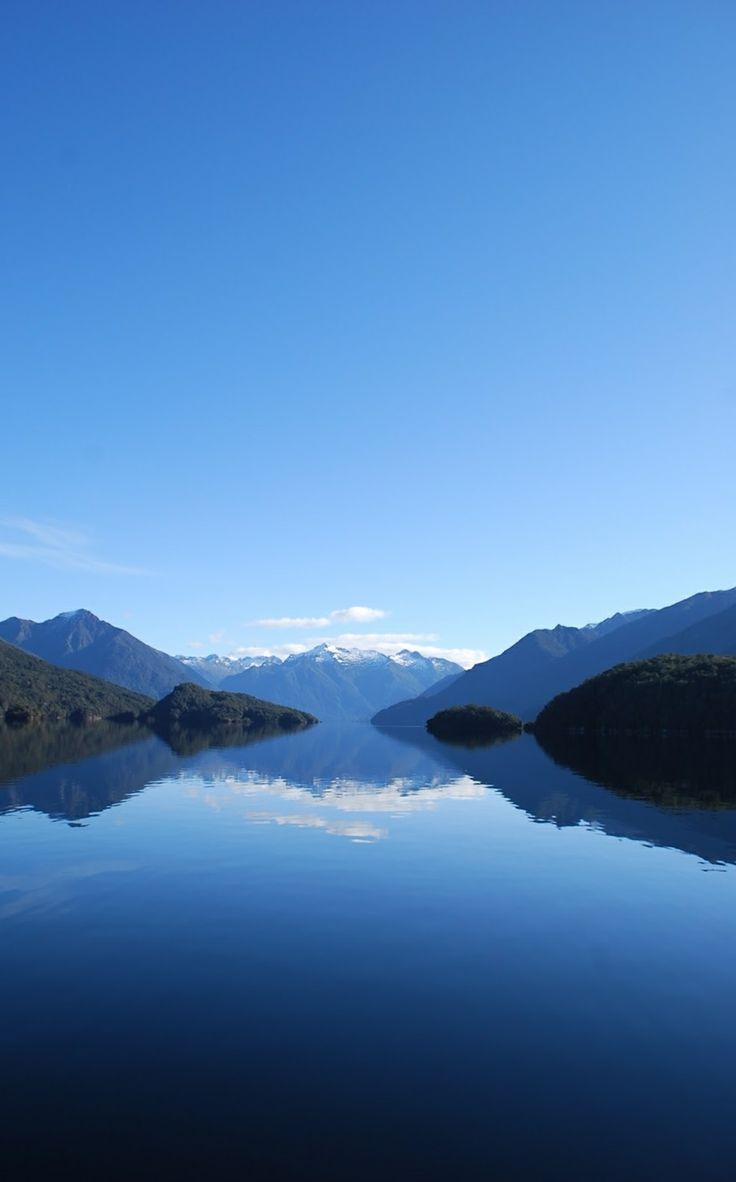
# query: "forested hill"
{"type": "Point", "coordinates": [34, 690]}
{"type": "Point", "coordinates": [191, 706]}
{"type": "Point", "coordinates": [693, 695]}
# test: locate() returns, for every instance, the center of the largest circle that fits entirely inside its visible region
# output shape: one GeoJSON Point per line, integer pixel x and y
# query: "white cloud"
{"type": "Point", "coordinates": [54, 545]}
{"type": "Point", "coordinates": [342, 615]}
{"type": "Point", "coordinates": [357, 615]}
{"type": "Point", "coordinates": [270, 650]}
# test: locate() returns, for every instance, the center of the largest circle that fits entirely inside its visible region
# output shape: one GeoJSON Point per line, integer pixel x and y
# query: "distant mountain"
{"type": "Point", "coordinates": [32, 690]}
{"type": "Point", "coordinates": [504, 679]}
{"type": "Point", "coordinates": [714, 634]}
{"type": "Point", "coordinates": [340, 684]}
{"type": "Point", "coordinates": [545, 662]}
{"type": "Point", "coordinates": [213, 669]}
{"type": "Point", "coordinates": [79, 640]}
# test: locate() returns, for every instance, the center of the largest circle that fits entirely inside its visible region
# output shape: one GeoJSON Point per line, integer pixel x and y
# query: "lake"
{"type": "Point", "coordinates": [350, 954]}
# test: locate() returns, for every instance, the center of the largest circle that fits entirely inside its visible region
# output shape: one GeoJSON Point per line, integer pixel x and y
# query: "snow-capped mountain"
{"type": "Point", "coordinates": [341, 683]}
{"type": "Point", "coordinates": [214, 669]}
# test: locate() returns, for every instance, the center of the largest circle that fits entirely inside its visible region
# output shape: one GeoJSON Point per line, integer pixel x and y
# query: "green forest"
{"type": "Point", "coordinates": [688, 695]}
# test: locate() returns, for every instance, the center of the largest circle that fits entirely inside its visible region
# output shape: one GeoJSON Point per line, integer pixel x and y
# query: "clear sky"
{"type": "Point", "coordinates": [425, 307]}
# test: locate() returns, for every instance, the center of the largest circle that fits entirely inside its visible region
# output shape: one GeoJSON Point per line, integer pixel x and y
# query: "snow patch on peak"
{"type": "Point", "coordinates": [327, 652]}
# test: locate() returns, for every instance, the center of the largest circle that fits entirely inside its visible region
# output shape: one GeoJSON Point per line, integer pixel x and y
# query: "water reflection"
{"type": "Point", "coordinates": [673, 773]}
{"type": "Point", "coordinates": [679, 796]}
{"type": "Point", "coordinates": [328, 770]}
{"type": "Point", "coordinates": [351, 781]}
{"type": "Point", "coordinates": [73, 774]}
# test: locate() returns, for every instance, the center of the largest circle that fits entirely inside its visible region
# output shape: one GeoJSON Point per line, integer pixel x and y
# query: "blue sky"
{"type": "Point", "coordinates": [422, 307]}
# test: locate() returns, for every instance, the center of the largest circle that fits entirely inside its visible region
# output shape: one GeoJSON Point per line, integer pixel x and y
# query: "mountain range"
{"type": "Point", "coordinates": [524, 677]}
{"type": "Point", "coordinates": [342, 684]}
{"type": "Point", "coordinates": [332, 683]}
{"type": "Point", "coordinates": [213, 669]}
{"type": "Point", "coordinates": [405, 689]}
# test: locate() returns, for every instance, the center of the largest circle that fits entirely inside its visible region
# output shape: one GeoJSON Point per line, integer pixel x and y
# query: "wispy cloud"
{"type": "Point", "coordinates": [26, 540]}
{"type": "Point", "coordinates": [342, 615]}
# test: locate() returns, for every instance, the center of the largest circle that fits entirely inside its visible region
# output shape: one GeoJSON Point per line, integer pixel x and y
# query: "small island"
{"type": "Point", "coordinates": [473, 724]}
{"type": "Point", "coordinates": [190, 707]}
{"type": "Point", "coordinates": [34, 693]}
{"type": "Point", "coordinates": [669, 694]}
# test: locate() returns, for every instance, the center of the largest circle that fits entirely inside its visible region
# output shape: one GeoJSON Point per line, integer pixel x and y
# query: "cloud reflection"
{"type": "Point", "coordinates": [398, 797]}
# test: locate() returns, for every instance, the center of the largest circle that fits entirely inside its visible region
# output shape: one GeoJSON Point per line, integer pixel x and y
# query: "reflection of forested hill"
{"type": "Point", "coordinates": [74, 772]}
{"type": "Point", "coordinates": [548, 792]}
{"type": "Point", "coordinates": [28, 749]}
{"type": "Point", "coordinates": [674, 773]}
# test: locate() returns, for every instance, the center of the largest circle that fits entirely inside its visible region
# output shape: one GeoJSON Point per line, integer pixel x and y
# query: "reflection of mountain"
{"type": "Point", "coordinates": [329, 759]}
{"type": "Point", "coordinates": [313, 779]}
{"type": "Point", "coordinates": [71, 773]}
{"type": "Point", "coordinates": [548, 792]}
{"type": "Point", "coordinates": [666, 796]}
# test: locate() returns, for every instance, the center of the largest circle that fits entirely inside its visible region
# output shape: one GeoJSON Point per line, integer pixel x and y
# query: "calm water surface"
{"type": "Point", "coordinates": [357, 955]}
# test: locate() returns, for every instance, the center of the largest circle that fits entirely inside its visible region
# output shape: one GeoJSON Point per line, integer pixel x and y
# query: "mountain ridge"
{"type": "Point", "coordinates": [342, 684]}
{"type": "Point", "coordinates": [545, 662]}
{"type": "Point", "coordinates": [81, 641]}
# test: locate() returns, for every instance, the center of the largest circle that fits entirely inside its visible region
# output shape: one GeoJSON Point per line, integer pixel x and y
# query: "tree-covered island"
{"type": "Point", "coordinates": [473, 724]}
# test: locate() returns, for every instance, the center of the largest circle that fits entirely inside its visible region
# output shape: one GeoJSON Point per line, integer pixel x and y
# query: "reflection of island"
{"type": "Point", "coordinates": [700, 824]}
{"type": "Point", "coordinates": [338, 768]}
{"type": "Point", "coordinates": [186, 741]}
{"type": "Point", "coordinates": [71, 773]}
{"type": "Point", "coordinates": [332, 755]}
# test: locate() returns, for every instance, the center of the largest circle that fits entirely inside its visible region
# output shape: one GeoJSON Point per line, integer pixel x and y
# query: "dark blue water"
{"type": "Point", "coordinates": [343, 954]}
